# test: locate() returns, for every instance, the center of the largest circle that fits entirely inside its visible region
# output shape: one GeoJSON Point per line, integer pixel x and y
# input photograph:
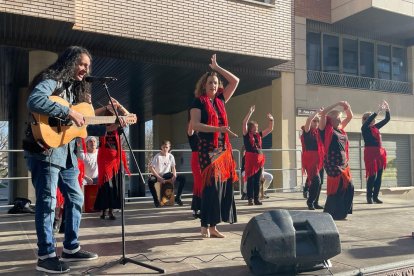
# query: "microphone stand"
{"type": "Point", "coordinates": [124, 260]}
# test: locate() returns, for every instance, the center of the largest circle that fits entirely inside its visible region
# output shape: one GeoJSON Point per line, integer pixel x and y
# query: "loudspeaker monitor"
{"type": "Point", "coordinates": [280, 241]}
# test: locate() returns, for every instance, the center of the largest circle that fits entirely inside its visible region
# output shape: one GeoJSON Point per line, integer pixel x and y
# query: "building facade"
{"type": "Point", "coordinates": [360, 52]}
{"type": "Point", "coordinates": [156, 49]}
{"type": "Point", "coordinates": [292, 57]}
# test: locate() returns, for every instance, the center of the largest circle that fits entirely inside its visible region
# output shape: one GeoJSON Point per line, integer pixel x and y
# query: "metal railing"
{"type": "Point", "coordinates": [236, 153]}
{"type": "Point", "coordinates": [357, 82]}
{"type": "Point", "coordinates": [286, 169]}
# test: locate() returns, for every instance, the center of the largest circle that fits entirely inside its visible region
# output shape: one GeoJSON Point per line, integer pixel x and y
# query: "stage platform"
{"type": "Point", "coordinates": [376, 239]}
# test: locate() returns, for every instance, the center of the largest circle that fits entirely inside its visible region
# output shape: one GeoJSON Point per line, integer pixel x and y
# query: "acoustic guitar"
{"type": "Point", "coordinates": [54, 132]}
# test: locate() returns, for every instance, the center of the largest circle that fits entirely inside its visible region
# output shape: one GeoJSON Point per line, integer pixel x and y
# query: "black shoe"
{"type": "Point", "coordinates": [317, 206]}
{"type": "Point", "coordinates": [257, 202]}
{"type": "Point", "coordinates": [102, 216]}
{"type": "Point", "coordinates": [52, 265]}
{"type": "Point", "coordinates": [369, 200]}
{"type": "Point", "coordinates": [178, 201]}
{"type": "Point", "coordinates": [305, 192]}
{"type": "Point", "coordinates": [244, 196]}
{"type": "Point", "coordinates": [376, 200]}
{"type": "Point", "coordinates": [311, 207]}
{"type": "Point", "coordinates": [250, 202]}
{"type": "Point", "coordinates": [111, 217]}
{"type": "Point", "coordinates": [157, 204]}
{"type": "Point", "coordinates": [81, 255]}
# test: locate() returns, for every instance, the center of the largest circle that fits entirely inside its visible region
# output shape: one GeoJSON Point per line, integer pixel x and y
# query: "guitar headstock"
{"type": "Point", "coordinates": [130, 119]}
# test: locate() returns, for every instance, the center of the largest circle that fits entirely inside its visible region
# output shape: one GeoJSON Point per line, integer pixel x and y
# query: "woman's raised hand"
{"type": "Point", "coordinates": [213, 64]}
{"type": "Point", "coordinates": [252, 108]}
{"type": "Point", "coordinates": [270, 117]}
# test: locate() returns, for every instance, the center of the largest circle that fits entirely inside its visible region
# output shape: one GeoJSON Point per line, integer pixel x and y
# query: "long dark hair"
{"type": "Point", "coordinates": [63, 70]}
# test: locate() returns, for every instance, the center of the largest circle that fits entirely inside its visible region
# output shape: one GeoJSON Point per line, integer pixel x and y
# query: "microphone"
{"type": "Point", "coordinates": [99, 79]}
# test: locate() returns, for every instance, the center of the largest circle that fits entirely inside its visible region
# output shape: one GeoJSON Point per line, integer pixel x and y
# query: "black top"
{"type": "Point", "coordinates": [256, 148]}
{"type": "Point", "coordinates": [337, 149]}
{"type": "Point", "coordinates": [369, 139]}
{"type": "Point", "coordinates": [204, 118]}
{"type": "Point", "coordinates": [310, 140]}
{"type": "Point", "coordinates": [193, 140]}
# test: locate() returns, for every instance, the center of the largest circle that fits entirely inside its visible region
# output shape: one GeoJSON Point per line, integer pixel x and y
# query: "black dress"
{"type": "Point", "coordinates": [215, 162]}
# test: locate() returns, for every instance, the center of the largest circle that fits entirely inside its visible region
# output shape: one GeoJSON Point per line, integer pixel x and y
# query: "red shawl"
{"type": "Point", "coordinates": [328, 137]}
{"type": "Point", "coordinates": [253, 163]}
{"type": "Point", "coordinates": [108, 159]}
{"type": "Point", "coordinates": [252, 140]}
{"type": "Point", "coordinates": [195, 168]}
{"type": "Point", "coordinates": [213, 117]}
{"type": "Point", "coordinates": [312, 160]}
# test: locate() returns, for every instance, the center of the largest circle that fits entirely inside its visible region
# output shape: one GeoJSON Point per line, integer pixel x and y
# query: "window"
{"type": "Point", "coordinates": [342, 60]}
{"type": "Point", "coordinates": [384, 62]}
{"type": "Point", "coordinates": [313, 50]}
{"type": "Point", "coordinates": [350, 56]}
{"type": "Point", "coordinates": [366, 63]}
{"type": "Point", "coordinates": [399, 61]}
{"type": "Point", "coordinates": [330, 53]}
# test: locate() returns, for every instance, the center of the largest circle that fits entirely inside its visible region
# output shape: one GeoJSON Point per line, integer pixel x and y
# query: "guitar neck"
{"type": "Point", "coordinates": [100, 120]}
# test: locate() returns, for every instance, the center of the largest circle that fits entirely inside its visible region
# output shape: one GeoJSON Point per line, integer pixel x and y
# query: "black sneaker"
{"type": "Point", "coordinates": [376, 200]}
{"type": "Point", "coordinates": [52, 265]}
{"type": "Point", "coordinates": [317, 206]}
{"type": "Point", "coordinates": [81, 255]}
{"type": "Point", "coordinates": [178, 201]}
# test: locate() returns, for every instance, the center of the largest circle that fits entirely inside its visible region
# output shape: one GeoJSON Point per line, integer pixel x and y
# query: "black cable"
{"type": "Point", "coordinates": [160, 260]}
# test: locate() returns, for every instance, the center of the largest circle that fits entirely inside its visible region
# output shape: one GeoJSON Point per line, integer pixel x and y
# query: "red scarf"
{"type": "Point", "coordinates": [252, 140]}
{"type": "Point", "coordinates": [312, 161]}
{"type": "Point", "coordinates": [108, 160]}
{"type": "Point", "coordinates": [376, 134]}
{"type": "Point", "coordinates": [213, 117]}
{"type": "Point", "coordinates": [328, 137]}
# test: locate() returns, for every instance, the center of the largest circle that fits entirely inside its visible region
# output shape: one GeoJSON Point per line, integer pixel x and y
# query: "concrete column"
{"type": "Point", "coordinates": [137, 140]}
{"type": "Point", "coordinates": [283, 108]}
{"type": "Point", "coordinates": [37, 61]}
{"type": "Point", "coordinates": [162, 129]}
{"type": "Point", "coordinates": [412, 158]}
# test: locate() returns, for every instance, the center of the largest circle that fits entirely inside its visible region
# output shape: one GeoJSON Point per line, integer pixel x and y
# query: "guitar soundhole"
{"type": "Point", "coordinates": [56, 122]}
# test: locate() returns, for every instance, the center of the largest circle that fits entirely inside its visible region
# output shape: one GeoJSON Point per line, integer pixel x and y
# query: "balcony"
{"type": "Point", "coordinates": [357, 82]}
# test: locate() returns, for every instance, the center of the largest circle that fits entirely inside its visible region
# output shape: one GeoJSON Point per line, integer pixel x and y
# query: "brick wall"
{"type": "Point", "coordinates": [234, 26]}
{"type": "Point", "coordinates": [318, 10]}
{"type": "Point", "coordinates": [61, 10]}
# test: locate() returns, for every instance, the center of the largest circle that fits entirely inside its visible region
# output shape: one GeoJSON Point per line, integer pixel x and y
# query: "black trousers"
{"type": "Point", "coordinates": [179, 182]}
{"type": "Point", "coordinates": [253, 185]}
{"type": "Point", "coordinates": [315, 189]}
{"type": "Point", "coordinates": [374, 185]}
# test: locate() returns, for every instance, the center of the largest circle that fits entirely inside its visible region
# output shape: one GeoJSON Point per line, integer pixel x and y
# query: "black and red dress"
{"type": "Point", "coordinates": [109, 192]}
{"type": "Point", "coordinates": [218, 169]}
{"type": "Point", "coordinates": [254, 163]}
{"type": "Point", "coordinates": [195, 168]}
{"type": "Point", "coordinates": [375, 156]}
{"type": "Point", "coordinates": [312, 163]}
{"type": "Point", "coordinates": [340, 190]}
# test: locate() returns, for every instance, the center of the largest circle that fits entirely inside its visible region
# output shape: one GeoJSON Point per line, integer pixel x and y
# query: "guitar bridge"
{"type": "Point", "coordinates": [58, 123]}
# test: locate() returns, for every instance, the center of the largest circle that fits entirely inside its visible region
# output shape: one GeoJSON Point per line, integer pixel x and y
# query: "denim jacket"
{"type": "Point", "coordinates": [38, 102]}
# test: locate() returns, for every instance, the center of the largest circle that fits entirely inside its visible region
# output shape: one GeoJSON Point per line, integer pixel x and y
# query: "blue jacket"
{"type": "Point", "coordinates": [38, 102]}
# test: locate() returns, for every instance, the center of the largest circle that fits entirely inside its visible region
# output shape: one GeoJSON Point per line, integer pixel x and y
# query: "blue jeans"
{"type": "Point", "coordinates": [46, 177]}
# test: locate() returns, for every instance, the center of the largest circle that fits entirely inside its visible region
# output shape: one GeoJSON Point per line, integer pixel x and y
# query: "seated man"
{"type": "Point", "coordinates": [265, 182]}
{"type": "Point", "coordinates": [162, 168]}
